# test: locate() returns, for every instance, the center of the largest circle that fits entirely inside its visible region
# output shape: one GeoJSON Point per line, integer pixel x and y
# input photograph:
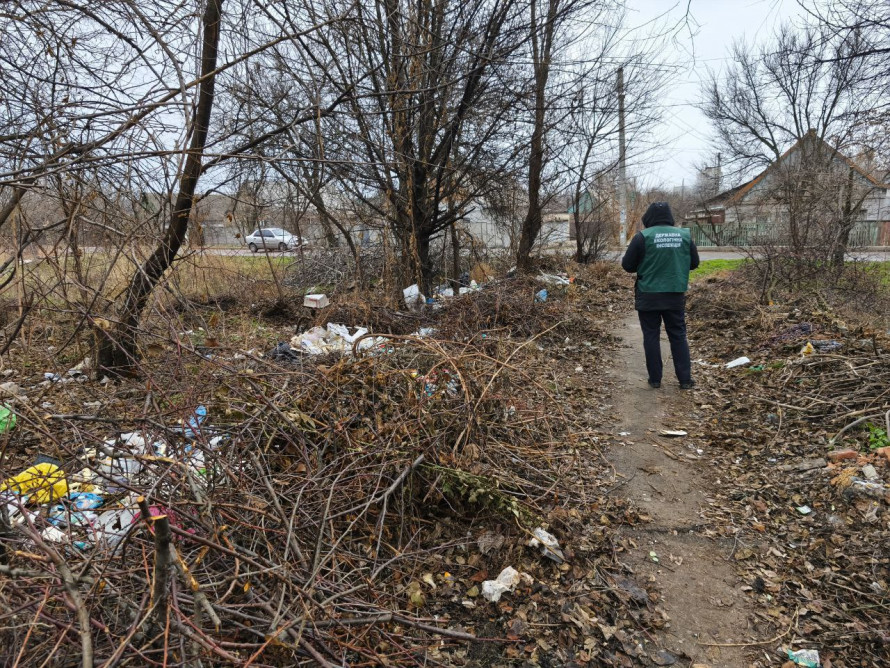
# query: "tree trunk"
{"type": "Point", "coordinates": [424, 265]}
{"type": "Point", "coordinates": [580, 255]}
{"type": "Point", "coordinates": [117, 352]}
{"type": "Point", "coordinates": [541, 52]}
{"type": "Point", "coordinates": [455, 258]}
{"type": "Point", "coordinates": [846, 227]}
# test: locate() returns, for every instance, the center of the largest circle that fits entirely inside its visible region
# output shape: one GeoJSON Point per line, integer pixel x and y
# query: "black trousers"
{"type": "Point", "coordinates": [675, 326]}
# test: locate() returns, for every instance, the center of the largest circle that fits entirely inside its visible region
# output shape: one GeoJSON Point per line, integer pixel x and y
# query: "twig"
{"type": "Point", "coordinates": [161, 576]}
{"type": "Point", "coordinates": [315, 655]}
{"type": "Point", "coordinates": [833, 439]}
{"type": "Point", "coordinates": [70, 584]}
{"type": "Point", "coordinates": [261, 472]}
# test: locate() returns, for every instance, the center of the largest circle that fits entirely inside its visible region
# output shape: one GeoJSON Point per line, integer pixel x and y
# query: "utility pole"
{"type": "Point", "coordinates": [622, 176]}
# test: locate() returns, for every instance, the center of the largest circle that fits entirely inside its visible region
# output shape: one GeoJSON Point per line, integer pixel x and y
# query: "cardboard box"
{"type": "Point", "coordinates": [316, 301]}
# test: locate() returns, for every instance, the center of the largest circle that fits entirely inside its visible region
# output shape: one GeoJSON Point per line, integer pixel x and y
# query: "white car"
{"type": "Point", "coordinates": [271, 238]}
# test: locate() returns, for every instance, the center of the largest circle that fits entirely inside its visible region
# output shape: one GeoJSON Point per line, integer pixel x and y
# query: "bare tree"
{"type": "Point", "coordinates": [802, 90]}
{"type": "Point", "coordinates": [544, 25]}
{"type": "Point", "coordinates": [431, 100]}
{"type": "Point", "coordinates": [117, 348]}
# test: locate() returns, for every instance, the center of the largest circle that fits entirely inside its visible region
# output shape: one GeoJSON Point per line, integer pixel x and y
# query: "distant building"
{"type": "Point", "coordinates": [709, 180]}
{"type": "Point", "coordinates": [811, 184]}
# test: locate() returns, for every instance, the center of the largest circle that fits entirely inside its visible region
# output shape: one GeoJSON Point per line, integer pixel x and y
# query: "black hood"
{"type": "Point", "coordinates": [658, 213]}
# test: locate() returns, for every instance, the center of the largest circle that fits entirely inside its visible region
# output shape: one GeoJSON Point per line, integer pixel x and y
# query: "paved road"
{"type": "Point", "coordinates": [707, 254]}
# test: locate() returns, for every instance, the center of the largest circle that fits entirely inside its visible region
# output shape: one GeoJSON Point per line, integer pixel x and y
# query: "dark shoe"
{"type": "Point", "coordinates": [688, 385]}
{"type": "Point", "coordinates": [654, 384]}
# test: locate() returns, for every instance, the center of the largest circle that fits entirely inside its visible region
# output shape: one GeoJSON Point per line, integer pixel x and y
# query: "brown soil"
{"type": "Point", "coordinates": [669, 482]}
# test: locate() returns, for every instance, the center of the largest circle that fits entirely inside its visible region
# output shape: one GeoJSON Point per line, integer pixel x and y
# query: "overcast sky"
{"type": "Point", "coordinates": [696, 46]}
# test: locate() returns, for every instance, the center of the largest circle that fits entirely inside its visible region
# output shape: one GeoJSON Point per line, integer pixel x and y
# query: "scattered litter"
{"type": "Point", "coordinates": [554, 279]}
{"type": "Point", "coordinates": [118, 472]}
{"type": "Point", "coordinates": [85, 501]}
{"type": "Point", "coordinates": [284, 353]}
{"type": "Point", "coordinates": [865, 488]}
{"type": "Point", "coordinates": [82, 367]}
{"type": "Point", "coordinates": [191, 428]}
{"type": "Point", "coordinates": [7, 419]}
{"type": "Point", "coordinates": [52, 377]}
{"type": "Point", "coordinates": [54, 535]}
{"type": "Point", "coordinates": [334, 338]}
{"type": "Point", "coordinates": [624, 433]}
{"type": "Point", "coordinates": [827, 346]}
{"type": "Point", "coordinates": [85, 480]}
{"type": "Point", "coordinates": [316, 301]}
{"type": "Point", "coordinates": [807, 349]}
{"type": "Point", "coordinates": [805, 657]}
{"type": "Point", "coordinates": [440, 379]}
{"type": "Point", "coordinates": [541, 295]}
{"type": "Point", "coordinates": [413, 297]}
{"type": "Point", "coordinates": [738, 361]}
{"type": "Point", "coordinates": [505, 582]}
{"type": "Point", "coordinates": [41, 483]}
{"type": "Point", "coordinates": [12, 504]}
{"type": "Point", "coordinates": [548, 544]}
{"type": "Point", "coordinates": [804, 510]}
{"type": "Point", "coordinates": [672, 433]}
{"type": "Point", "coordinates": [343, 332]}
{"type": "Point", "coordinates": [111, 526]}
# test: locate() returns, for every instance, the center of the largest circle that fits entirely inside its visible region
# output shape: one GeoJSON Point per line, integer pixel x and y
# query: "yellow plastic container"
{"type": "Point", "coordinates": [42, 483]}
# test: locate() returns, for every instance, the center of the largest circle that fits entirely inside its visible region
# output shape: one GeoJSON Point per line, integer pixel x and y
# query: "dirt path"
{"type": "Point", "coordinates": [668, 480]}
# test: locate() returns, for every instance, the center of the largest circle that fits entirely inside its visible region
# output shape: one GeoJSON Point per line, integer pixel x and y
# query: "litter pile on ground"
{"type": "Point", "coordinates": [798, 438]}
{"type": "Point", "coordinates": [340, 510]}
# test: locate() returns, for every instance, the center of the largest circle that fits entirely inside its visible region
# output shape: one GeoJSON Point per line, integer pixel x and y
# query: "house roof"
{"type": "Point", "coordinates": [735, 195]}
{"type": "Point", "coordinates": [721, 200]}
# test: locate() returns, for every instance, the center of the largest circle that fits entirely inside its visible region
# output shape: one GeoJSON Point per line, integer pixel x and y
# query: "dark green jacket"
{"type": "Point", "coordinates": [666, 261]}
{"type": "Point", "coordinates": [662, 261]}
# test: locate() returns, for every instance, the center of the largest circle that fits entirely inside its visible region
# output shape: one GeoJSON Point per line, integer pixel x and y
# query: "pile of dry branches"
{"type": "Point", "coordinates": [282, 528]}
{"type": "Point", "coordinates": [809, 526]}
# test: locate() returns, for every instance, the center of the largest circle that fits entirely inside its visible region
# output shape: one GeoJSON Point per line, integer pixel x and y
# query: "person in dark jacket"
{"type": "Point", "coordinates": [662, 256]}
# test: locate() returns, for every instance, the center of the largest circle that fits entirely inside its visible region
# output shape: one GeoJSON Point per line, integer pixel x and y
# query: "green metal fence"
{"type": "Point", "coordinates": [865, 234]}
{"type": "Point", "coordinates": [753, 234]}
{"type": "Point", "coordinates": [740, 234]}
